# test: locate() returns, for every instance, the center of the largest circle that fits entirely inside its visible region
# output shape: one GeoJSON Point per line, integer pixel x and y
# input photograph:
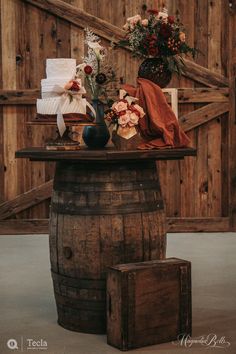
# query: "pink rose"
{"type": "Point", "coordinates": [134, 20]}
{"type": "Point", "coordinates": [131, 22]}
{"type": "Point", "coordinates": [133, 119]}
{"type": "Point", "coordinates": [124, 119]}
{"type": "Point", "coordinates": [120, 106]}
{"type": "Point", "coordinates": [145, 22]}
{"type": "Point", "coordinates": [140, 110]}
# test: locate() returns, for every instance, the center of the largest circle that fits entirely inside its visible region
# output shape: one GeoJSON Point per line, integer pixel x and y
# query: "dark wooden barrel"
{"type": "Point", "coordinates": [102, 214]}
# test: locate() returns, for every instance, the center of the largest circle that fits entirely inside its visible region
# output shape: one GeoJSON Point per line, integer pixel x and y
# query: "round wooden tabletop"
{"type": "Point", "coordinates": [106, 154]}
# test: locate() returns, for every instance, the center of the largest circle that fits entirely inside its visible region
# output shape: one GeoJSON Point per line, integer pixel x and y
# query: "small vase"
{"type": "Point", "coordinates": [155, 70]}
{"type": "Point", "coordinates": [126, 138]}
{"type": "Point", "coordinates": [97, 136]}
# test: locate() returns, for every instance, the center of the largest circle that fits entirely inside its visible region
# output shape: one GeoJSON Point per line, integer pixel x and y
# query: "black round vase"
{"type": "Point", "coordinates": [155, 70]}
{"type": "Point", "coordinates": [97, 136]}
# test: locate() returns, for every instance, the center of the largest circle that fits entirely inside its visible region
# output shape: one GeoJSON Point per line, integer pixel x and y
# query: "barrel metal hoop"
{"type": "Point", "coordinates": [129, 208]}
{"type": "Point", "coordinates": [94, 284]}
{"type": "Point", "coordinates": [92, 305]}
{"type": "Point", "coordinates": [77, 187]}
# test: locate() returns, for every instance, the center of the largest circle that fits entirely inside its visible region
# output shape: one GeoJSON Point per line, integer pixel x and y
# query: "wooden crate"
{"type": "Point", "coordinates": [148, 303]}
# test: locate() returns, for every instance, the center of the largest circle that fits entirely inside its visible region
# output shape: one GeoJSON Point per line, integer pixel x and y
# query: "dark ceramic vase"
{"type": "Point", "coordinates": [97, 136]}
{"type": "Point", "coordinates": [155, 70]}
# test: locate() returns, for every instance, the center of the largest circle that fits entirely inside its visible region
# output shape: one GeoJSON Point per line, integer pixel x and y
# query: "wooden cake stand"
{"type": "Point", "coordinates": [65, 142]}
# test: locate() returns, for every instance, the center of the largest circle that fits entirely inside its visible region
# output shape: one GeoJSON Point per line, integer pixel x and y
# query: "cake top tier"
{"type": "Point", "coordinates": [61, 68]}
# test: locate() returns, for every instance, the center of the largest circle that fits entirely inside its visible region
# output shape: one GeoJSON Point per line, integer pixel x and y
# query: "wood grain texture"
{"type": "Point", "coordinates": [202, 115]}
{"type": "Point", "coordinates": [200, 178]}
{"type": "Point", "coordinates": [185, 95]}
{"type": "Point", "coordinates": [24, 227]}
{"type": "Point", "coordinates": [214, 128]}
{"type": "Point", "coordinates": [225, 146]}
{"type": "Point", "coordinates": [94, 225]}
{"type": "Point", "coordinates": [232, 119]}
{"type": "Point", "coordinates": [24, 52]}
{"type": "Point", "coordinates": [204, 76]}
{"type": "Point", "coordinates": [202, 95]}
{"type": "Point", "coordinates": [198, 224]}
{"type": "Point", "coordinates": [106, 154]}
{"type": "Point", "coordinates": [110, 32]}
{"type": "Point", "coordinates": [187, 168]}
{"type": "Point", "coordinates": [8, 22]}
{"type": "Point", "coordinates": [137, 315]}
{"type": "Point", "coordinates": [80, 18]}
{"type": "Point", "coordinates": [202, 224]}
{"type": "Point", "coordinates": [1, 124]}
{"type": "Point", "coordinates": [26, 200]}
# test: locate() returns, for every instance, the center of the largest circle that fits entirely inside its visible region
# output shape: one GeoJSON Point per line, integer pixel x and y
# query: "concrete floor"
{"type": "Point", "coordinates": [27, 307]}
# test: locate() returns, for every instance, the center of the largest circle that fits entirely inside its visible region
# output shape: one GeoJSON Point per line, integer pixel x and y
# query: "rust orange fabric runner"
{"type": "Point", "coordinates": [159, 127]}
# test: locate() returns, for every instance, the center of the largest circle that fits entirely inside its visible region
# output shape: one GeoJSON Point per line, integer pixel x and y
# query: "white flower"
{"type": "Point", "coordinates": [163, 14]}
{"type": "Point", "coordinates": [145, 22]}
{"type": "Point", "coordinates": [81, 67]}
{"type": "Point", "coordinates": [133, 119]}
{"type": "Point", "coordinates": [124, 119]}
{"type": "Point", "coordinates": [94, 45]}
{"type": "Point", "coordinates": [133, 20]}
{"type": "Point", "coordinates": [97, 48]}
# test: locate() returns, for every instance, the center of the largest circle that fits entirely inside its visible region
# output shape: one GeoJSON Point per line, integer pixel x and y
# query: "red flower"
{"type": "Point", "coordinates": [153, 11]}
{"type": "Point", "coordinates": [152, 51]}
{"type": "Point", "coordinates": [171, 19]}
{"type": "Point", "coordinates": [165, 30]}
{"type": "Point", "coordinates": [88, 69]}
{"type": "Point", "coordinates": [121, 113]}
{"type": "Point", "coordinates": [75, 86]}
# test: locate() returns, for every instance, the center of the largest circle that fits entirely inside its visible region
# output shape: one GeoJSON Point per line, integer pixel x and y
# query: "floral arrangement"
{"type": "Point", "coordinates": [159, 35]}
{"type": "Point", "coordinates": [73, 87]}
{"type": "Point", "coordinates": [95, 69]}
{"type": "Point", "coordinates": [125, 112]}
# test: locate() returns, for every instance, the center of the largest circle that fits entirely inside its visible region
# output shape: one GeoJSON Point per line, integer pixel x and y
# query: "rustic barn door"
{"type": "Point", "coordinates": [199, 192]}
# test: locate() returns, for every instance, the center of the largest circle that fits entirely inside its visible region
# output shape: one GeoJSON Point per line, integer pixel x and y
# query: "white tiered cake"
{"type": "Point", "coordinates": [57, 95]}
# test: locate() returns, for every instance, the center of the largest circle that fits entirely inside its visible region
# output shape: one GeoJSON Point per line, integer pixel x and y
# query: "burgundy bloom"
{"type": "Point", "coordinates": [171, 19]}
{"type": "Point", "coordinates": [75, 86]}
{"type": "Point", "coordinates": [88, 69]}
{"type": "Point", "coordinates": [165, 30]}
{"type": "Point", "coordinates": [121, 113]}
{"type": "Point", "coordinates": [101, 78]}
{"type": "Point", "coordinates": [153, 11]}
{"type": "Point", "coordinates": [152, 51]}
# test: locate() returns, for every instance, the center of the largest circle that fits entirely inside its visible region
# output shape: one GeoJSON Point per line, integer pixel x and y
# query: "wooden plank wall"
{"type": "Point", "coordinates": [196, 190]}
{"type": "Point", "coordinates": [201, 184]}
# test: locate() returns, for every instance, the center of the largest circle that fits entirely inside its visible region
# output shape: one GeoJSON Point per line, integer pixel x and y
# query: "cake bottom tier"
{"type": "Point", "coordinates": [50, 106]}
